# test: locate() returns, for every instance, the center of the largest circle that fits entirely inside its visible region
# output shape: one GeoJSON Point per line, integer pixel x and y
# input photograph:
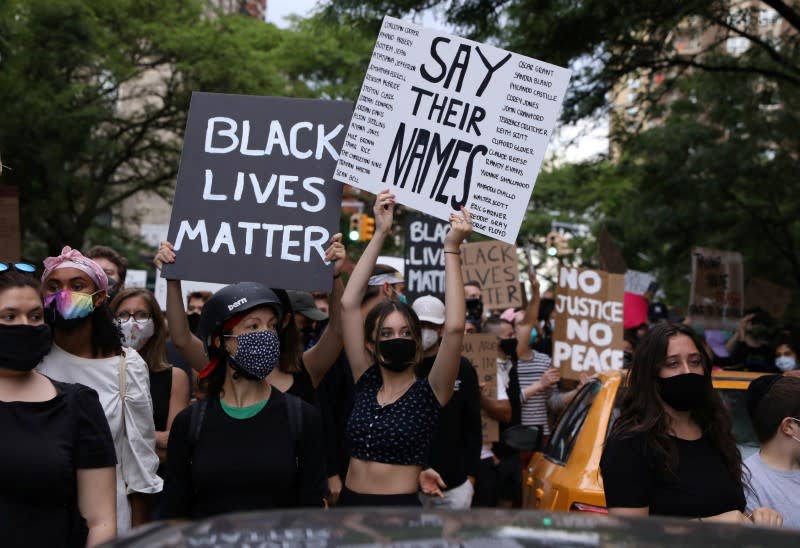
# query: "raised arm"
{"type": "Point", "coordinates": [445, 367]}
{"type": "Point", "coordinates": [352, 321]}
{"type": "Point", "coordinates": [320, 357]}
{"type": "Point", "coordinates": [189, 346]}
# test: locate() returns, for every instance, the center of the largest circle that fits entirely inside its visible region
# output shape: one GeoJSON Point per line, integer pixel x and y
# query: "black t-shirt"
{"type": "Point", "coordinates": [633, 477]}
{"type": "Point", "coordinates": [43, 444]}
{"type": "Point", "coordinates": [160, 392]}
{"type": "Point", "coordinates": [248, 464]}
{"type": "Point", "coordinates": [456, 449]}
{"type": "Point", "coordinates": [303, 386]}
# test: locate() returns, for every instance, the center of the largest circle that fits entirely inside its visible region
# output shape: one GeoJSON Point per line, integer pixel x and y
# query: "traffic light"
{"type": "Point", "coordinates": [355, 227]}
{"type": "Point", "coordinates": [367, 228]}
{"type": "Point", "coordinates": [552, 243]}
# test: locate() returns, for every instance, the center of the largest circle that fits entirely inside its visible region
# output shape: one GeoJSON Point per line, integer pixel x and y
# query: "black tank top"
{"type": "Point", "coordinates": [160, 390]}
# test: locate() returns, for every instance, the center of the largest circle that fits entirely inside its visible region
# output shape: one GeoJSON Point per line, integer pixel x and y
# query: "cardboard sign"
{"type": "Point", "coordinates": [254, 198]}
{"type": "Point", "coordinates": [446, 122]}
{"type": "Point", "coordinates": [424, 256]}
{"type": "Point", "coordinates": [772, 298]}
{"type": "Point", "coordinates": [611, 259]}
{"type": "Point", "coordinates": [481, 350]}
{"type": "Point", "coordinates": [589, 322]}
{"type": "Point", "coordinates": [10, 242]}
{"type": "Point", "coordinates": [638, 282]}
{"type": "Point", "coordinates": [495, 266]}
{"type": "Point", "coordinates": [715, 301]}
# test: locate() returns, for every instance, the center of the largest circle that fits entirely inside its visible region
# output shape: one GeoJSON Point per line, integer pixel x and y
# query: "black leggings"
{"type": "Point", "coordinates": [351, 498]}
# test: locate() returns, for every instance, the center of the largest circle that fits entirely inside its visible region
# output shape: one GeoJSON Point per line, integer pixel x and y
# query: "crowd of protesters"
{"type": "Point", "coordinates": [353, 398]}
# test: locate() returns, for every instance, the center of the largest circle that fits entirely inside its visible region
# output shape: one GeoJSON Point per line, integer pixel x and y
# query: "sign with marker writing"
{"type": "Point", "coordinates": [445, 122]}
{"type": "Point", "coordinates": [716, 297]}
{"type": "Point", "coordinates": [589, 329]}
{"type": "Point", "coordinates": [424, 256]}
{"type": "Point", "coordinates": [494, 265]}
{"type": "Point", "coordinates": [255, 199]}
{"type": "Point", "coordinates": [481, 350]}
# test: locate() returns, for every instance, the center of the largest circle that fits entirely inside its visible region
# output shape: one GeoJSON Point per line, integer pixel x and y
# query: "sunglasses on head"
{"type": "Point", "coordinates": [19, 267]}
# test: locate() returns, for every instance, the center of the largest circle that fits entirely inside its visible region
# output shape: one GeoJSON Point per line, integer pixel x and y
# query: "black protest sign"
{"type": "Point", "coordinates": [255, 198]}
{"type": "Point", "coordinates": [424, 256]}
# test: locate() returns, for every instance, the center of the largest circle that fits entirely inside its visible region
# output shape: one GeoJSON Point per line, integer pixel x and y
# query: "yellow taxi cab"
{"type": "Point", "coordinates": [564, 476]}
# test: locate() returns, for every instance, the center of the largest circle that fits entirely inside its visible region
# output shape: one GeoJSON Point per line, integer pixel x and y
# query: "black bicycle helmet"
{"type": "Point", "coordinates": [231, 300]}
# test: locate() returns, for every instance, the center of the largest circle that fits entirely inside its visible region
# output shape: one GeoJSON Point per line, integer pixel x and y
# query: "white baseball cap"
{"type": "Point", "coordinates": [429, 309]}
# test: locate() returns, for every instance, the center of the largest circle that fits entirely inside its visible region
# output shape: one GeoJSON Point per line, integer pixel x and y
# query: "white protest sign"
{"type": "Point", "coordinates": [445, 122]}
{"type": "Point", "coordinates": [187, 287]}
{"type": "Point", "coordinates": [638, 282]}
{"type": "Point", "coordinates": [136, 278]}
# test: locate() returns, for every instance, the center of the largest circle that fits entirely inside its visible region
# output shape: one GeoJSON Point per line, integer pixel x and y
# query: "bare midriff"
{"type": "Point", "coordinates": [378, 478]}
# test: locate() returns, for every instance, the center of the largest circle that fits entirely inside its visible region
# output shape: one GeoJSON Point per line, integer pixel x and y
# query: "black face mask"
{"type": "Point", "coordinates": [509, 346]}
{"type": "Point", "coordinates": [397, 354]}
{"type": "Point", "coordinates": [627, 360]}
{"type": "Point", "coordinates": [474, 309]}
{"type": "Point", "coordinates": [22, 347]}
{"type": "Point", "coordinates": [194, 322]}
{"type": "Point", "coordinates": [113, 288]}
{"type": "Point", "coordinates": [682, 392]}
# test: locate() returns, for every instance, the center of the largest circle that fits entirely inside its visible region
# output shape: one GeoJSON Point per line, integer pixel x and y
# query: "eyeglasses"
{"type": "Point", "coordinates": [141, 316]}
{"type": "Point", "coordinates": [19, 267]}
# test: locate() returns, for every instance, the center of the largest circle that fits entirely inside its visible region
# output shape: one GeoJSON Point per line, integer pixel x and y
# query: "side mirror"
{"type": "Point", "coordinates": [523, 438]}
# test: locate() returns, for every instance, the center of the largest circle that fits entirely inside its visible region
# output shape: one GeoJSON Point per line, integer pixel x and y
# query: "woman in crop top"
{"type": "Point", "coordinates": [395, 414]}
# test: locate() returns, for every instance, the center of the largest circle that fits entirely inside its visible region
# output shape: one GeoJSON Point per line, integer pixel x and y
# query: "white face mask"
{"type": "Point", "coordinates": [136, 334]}
{"type": "Point", "coordinates": [785, 363]}
{"type": "Point", "coordinates": [429, 338]}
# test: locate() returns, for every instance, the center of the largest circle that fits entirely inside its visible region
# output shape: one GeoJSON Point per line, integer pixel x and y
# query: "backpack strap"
{"type": "Point", "coordinates": [294, 408]}
{"type": "Point", "coordinates": [196, 422]}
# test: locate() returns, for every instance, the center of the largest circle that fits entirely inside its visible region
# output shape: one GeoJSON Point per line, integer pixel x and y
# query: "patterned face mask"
{"type": "Point", "coordinates": [136, 334]}
{"type": "Point", "coordinates": [257, 353]}
{"type": "Point", "coordinates": [71, 305]}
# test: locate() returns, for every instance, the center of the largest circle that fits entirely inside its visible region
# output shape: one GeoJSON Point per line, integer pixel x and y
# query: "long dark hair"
{"type": "Point", "coordinates": [377, 316]}
{"type": "Point", "coordinates": [642, 409]}
{"type": "Point", "coordinates": [154, 352]}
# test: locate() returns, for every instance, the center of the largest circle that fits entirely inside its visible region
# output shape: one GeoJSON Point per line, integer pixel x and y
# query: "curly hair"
{"type": "Point", "coordinates": [642, 409]}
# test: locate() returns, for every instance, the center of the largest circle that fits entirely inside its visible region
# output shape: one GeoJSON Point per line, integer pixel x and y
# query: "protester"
{"type": "Point", "coordinates": [86, 349]}
{"type": "Point", "coordinates": [773, 402]}
{"type": "Point", "coordinates": [306, 317]}
{"type": "Point", "coordinates": [48, 497]}
{"type": "Point", "coordinates": [454, 459]}
{"type": "Point", "coordinates": [113, 264]}
{"type": "Point", "coordinates": [195, 301]}
{"type": "Point", "coordinates": [672, 452]}
{"type": "Point", "coordinates": [247, 446]}
{"type": "Point", "coordinates": [499, 481]}
{"type": "Point", "coordinates": [395, 414]}
{"type": "Point", "coordinates": [298, 372]}
{"type": "Point", "coordinates": [474, 301]}
{"type": "Point", "coordinates": [144, 329]}
{"type": "Point", "coordinates": [786, 357]}
{"type": "Point", "coordinates": [749, 347]}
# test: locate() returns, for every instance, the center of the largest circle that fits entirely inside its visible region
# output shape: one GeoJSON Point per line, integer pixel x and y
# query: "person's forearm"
{"type": "Point", "coordinates": [357, 284]}
{"type": "Point", "coordinates": [100, 533]}
{"type": "Point", "coordinates": [532, 389]}
{"type": "Point", "coordinates": [140, 508]}
{"type": "Point", "coordinates": [454, 300]}
{"type": "Point", "coordinates": [179, 330]}
{"type": "Point", "coordinates": [498, 410]}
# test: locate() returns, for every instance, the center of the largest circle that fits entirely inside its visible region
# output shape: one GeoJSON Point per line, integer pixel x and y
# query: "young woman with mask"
{"type": "Point", "coordinates": [144, 329]}
{"type": "Point", "coordinates": [786, 357]}
{"type": "Point", "coordinates": [87, 350]}
{"type": "Point", "coordinates": [247, 446]}
{"type": "Point", "coordinates": [395, 414]}
{"type": "Point", "coordinates": [672, 452]}
{"type": "Point", "coordinates": [298, 372]}
{"type": "Point", "coordinates": [57, 459]}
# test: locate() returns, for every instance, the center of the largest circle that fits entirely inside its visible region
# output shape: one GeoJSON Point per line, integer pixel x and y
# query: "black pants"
{"type": "Point", "coordinates": [351, 498]}
{"type": "Point", "coordinates": [496, 482]}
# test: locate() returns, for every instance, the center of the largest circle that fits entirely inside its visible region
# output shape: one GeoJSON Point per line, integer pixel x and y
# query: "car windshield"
{"type": "Point", "coordinates": [735, 401]}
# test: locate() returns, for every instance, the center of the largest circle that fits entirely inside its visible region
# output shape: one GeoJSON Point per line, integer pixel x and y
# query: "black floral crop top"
{"type": "Point", "coordinates": [398, 433]}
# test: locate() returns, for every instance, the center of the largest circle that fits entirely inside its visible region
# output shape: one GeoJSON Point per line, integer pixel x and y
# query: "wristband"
{"type": "Point", "coordinates": [454, 252]}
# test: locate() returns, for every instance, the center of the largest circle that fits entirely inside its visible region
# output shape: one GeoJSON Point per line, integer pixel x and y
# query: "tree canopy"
{"type": "Point", "coordinates": [94, 96]}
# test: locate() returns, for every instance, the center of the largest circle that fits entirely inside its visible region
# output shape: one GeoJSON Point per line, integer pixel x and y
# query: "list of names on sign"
{"type": "Point", "coordinates": [447, 122]}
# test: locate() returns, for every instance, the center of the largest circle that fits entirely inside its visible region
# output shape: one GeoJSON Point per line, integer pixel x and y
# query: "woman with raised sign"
{"type": "Point", "coordinates": [246, 446]}
{"type": "Point", "coordinates": [395, 414]}
{"type": "Point", "coordinates": [672, 452]}
{"type": "Point", "coordinates": [298, 372]}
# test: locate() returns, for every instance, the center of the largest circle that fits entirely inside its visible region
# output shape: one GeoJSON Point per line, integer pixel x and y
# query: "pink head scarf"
{"type": "Point", "coordinates": [72, 258]}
